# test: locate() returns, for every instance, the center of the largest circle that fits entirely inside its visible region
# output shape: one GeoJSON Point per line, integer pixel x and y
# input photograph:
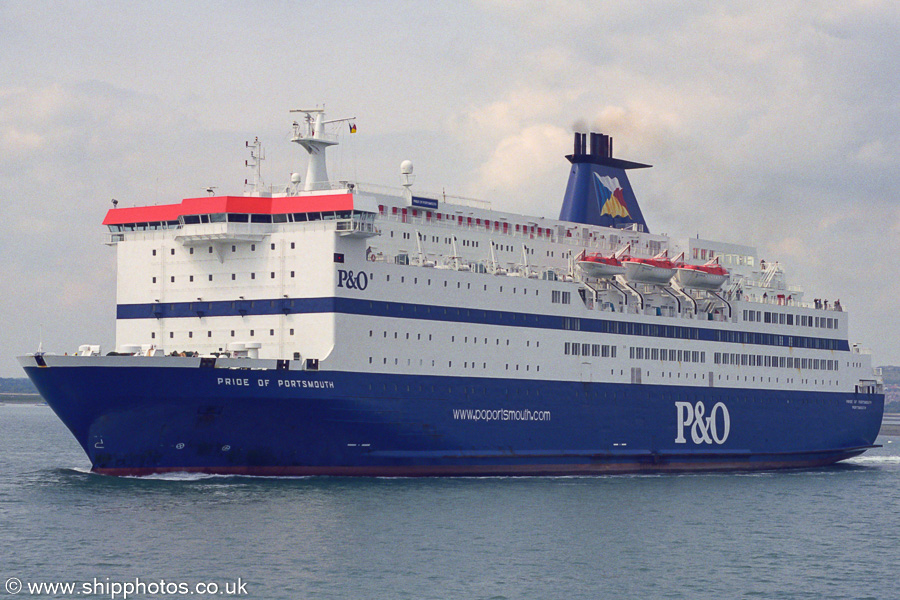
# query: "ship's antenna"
{"type": "Point", "coordinates": [257, 155]}
{"type": "Point", "coordinates": [41, 340]}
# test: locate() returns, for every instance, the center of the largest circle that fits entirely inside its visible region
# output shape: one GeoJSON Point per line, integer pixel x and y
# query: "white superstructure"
{"type": "Point", "coordinates": [357, 278]}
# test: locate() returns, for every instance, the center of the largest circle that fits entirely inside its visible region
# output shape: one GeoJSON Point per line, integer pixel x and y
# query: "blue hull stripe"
{"type": "Point", "coordinates": [405, 310]}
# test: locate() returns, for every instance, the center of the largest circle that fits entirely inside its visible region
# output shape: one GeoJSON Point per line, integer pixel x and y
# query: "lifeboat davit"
{"type": "Point", "coordinates": [657, 270]}
{"type": "Point", "coordinates": [597, 265]}
{"type": "Point", "coordinates": [710, 276]}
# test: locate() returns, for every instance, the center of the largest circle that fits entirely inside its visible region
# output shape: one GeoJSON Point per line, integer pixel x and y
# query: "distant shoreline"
{"type": "Point", "coordinates": [14, 398]}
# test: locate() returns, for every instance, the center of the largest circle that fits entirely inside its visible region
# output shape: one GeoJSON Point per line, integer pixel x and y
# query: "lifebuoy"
{"type": "Point", "coordinates": [372, 257]}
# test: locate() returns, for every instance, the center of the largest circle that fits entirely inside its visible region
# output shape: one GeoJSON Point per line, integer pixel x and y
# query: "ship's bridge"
{"type": "Point", "coordinates": [245, 219]}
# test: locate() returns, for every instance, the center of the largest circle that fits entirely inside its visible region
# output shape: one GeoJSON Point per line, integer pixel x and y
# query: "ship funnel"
{"type": "Point", "coordinates": [598, 192]}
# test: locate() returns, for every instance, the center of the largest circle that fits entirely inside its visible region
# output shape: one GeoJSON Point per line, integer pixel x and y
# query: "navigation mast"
{"type": "Point", "coordinates": [311, 135]}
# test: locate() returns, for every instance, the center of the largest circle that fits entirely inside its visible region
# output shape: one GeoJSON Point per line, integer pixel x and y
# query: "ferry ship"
{"type": "Point", "coordinates": [338, 328]}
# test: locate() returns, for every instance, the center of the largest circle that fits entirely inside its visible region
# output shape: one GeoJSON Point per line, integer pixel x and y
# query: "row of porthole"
{"type": "Point", "coordinates": [209, 333]}
{"type": "Point", "coordinates": [459, 285]}
{"type": "Point", "coordinates": [210, 249]}
{"type": "Point", "coordinates": [209, 276]}
{"type": "Point", "coordinates": [466, 364]}
{"type": "Point", "coordinates": [384, 334]}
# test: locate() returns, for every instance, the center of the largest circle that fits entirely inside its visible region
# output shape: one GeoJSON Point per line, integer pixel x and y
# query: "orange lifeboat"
{"type": "Point", "coordinates": [709, 276]}
{"type": "Point", "coordinates": [657, 270]}
{"type": "Point", "coordinates": [597, 265]}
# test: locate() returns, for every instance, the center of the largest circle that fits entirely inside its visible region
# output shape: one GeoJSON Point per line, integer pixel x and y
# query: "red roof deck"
{"type": "Point", "coordinates": [229, 204]}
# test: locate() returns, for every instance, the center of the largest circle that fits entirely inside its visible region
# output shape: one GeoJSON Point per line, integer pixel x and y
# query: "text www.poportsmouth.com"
{"type": "Point", "coordinates": [499, 414]}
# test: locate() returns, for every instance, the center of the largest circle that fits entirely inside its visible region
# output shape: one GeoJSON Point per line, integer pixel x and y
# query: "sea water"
{"type": "Point", "coordinates": [822, 533]}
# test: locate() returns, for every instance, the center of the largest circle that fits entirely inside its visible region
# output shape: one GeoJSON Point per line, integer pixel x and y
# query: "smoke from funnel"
{"type": "Point", "coordinates": [580, 125]}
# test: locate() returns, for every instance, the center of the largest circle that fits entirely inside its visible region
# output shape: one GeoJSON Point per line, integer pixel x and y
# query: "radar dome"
{"type": "Point", "coordinates": [295, 178]}
{"type": "Point", "coordinates": [406, 167]}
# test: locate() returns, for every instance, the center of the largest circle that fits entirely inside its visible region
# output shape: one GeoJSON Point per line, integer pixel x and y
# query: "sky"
{"type": "Point", "coordinates": [774, 124]}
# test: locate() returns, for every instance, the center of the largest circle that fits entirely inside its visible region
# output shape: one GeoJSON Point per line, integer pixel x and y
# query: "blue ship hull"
{"type": "Point", "coordinates": [143, 420]}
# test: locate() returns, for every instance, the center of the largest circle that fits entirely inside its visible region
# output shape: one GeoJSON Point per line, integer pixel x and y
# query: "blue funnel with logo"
{"type": "Point", "coordinates": [598, 192]}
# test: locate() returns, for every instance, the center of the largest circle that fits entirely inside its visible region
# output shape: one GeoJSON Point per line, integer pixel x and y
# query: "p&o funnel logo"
{"type": "Point", "coordinates": [612, 200]}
